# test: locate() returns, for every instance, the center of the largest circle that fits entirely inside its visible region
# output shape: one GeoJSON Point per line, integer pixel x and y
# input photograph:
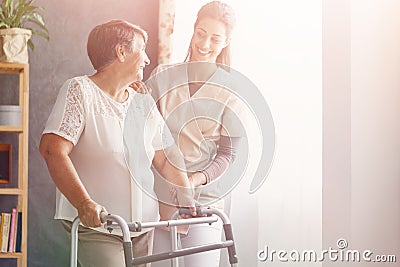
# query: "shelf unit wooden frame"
{"type": "Point", "coordinates": [21, 191]}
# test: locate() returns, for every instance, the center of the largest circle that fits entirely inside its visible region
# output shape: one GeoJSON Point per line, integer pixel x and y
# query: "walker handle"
{"type": "Point", "coordinates": [186, 211]}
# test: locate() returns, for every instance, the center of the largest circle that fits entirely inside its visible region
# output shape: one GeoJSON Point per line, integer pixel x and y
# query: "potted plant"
{"type": "Point", "coordinates": [17, 19]}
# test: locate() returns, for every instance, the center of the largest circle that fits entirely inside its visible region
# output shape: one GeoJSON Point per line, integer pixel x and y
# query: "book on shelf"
{"type": "Point", "coordinates": [16, 232]}
{"type": "Point", "coordinates": [19, 232]}
{"type": "Point", "coordinates": [5, 230]}
{"type": "Point", "coordinates": [10, 231]}
{"type": "Point", "coordinates": [13, 231]}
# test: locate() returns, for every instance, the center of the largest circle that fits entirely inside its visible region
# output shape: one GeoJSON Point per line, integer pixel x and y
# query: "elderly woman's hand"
{"type": "Point", "coordinates": [89, 213]}
{"type": "Point", "coordinates": [140, 87]}
{"type": "Point", "coordinates": [185, 199]}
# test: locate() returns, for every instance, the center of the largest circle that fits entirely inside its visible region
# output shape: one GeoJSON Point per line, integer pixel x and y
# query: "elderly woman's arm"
{"type": "Point", "coordinates": [55, 151]}
{"type": "Point", "coordinates": [170, 165]}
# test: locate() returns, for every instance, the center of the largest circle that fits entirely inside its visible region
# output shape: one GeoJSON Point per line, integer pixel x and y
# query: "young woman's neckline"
{"type": "Point", "coordinates": [195, 83]}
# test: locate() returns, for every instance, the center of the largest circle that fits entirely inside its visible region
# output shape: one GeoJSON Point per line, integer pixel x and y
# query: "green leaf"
{"type": "Point", "coordinates": [38, 18]}
{"type": "Point", "coordinates": [8, 7]}
{"type": "Point", "coordinates": [7, 21]}
{"type": "Point", "coordinates": [2, 24]}
{"type": "Point", "coordinates": [38, 24]}
{"type": "Point", "coordinates": [7, 3]}
{"type": "Point", "coordinates": [30, 44]}
{"type": "Point", "coordinates": [42, 34]}
{"type": "Point", "coordinates": [26, 14]}
{"type": "Point", "coordinates": [4, 7]}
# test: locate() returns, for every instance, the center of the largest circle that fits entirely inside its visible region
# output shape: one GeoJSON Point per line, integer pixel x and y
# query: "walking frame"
{"type": "Point", "coordinates": [209, 215]}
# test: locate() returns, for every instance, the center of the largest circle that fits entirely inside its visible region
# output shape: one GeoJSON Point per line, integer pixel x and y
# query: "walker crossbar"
{"type": "Point", "coordinates": [173, 223]}
{"type": "Point", "coordinates": [181, 252]}
{"type": "Point", "coordinates": [138, 226]}
{"type": "Point", "coordinates": [170, 223]}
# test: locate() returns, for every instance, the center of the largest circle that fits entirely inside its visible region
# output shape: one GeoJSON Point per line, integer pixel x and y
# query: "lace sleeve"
{"type": "Point", "coordinates": [67, 117]}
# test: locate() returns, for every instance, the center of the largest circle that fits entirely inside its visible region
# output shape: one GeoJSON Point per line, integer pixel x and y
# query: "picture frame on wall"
{"type": "Point", "coordinates": [5, 163]}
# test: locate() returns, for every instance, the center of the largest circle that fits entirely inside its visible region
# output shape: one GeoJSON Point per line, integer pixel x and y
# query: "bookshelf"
{"type": "Point", "coordinates": [21, 190]}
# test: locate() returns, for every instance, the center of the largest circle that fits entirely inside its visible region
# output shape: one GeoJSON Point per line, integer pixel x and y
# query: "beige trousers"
{"type": "Point", "coordinates": [96, 249]}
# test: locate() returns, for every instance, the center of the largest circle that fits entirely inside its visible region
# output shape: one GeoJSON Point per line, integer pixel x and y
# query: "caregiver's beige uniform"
{"type": "Point", "coordinates": [197, 123]}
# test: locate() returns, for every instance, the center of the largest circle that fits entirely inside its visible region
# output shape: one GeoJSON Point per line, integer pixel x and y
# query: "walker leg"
{"type": "Point", "coordinates": [74, 242]}
{"type": "Point", "coordinates": [128, 253]}
{"type": "Point", "coordinates": [174, 245]}
{"type": "Point", "coordinates": [231, 250]}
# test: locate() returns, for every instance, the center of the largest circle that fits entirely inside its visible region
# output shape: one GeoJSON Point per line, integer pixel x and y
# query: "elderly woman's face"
{"type": "Point", "coordinates": [138, 59]}
{"type": "Point", "coordinates": [209, 38]}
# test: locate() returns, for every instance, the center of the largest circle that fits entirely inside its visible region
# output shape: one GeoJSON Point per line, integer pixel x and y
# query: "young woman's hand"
{"type": "Point", "coordinates": [140, 87]}
{"type": "Point", "coordinates": [197, 179]}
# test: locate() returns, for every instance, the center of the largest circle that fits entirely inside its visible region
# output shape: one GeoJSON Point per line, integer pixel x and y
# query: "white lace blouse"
{"type": "Point", "coordinates": [117, 177]}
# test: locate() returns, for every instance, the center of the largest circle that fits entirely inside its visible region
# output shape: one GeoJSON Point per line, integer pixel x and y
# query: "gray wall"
{"type": "Point", "coordinates": [69, 23]}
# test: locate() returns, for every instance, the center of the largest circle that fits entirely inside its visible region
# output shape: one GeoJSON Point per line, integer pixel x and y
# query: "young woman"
{"type": "Point", "coordinates": [202, 116]}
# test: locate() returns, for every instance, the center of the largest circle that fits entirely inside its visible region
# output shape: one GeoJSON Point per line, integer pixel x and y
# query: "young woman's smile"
{"type": "Point", "coordinates": [209, 38]}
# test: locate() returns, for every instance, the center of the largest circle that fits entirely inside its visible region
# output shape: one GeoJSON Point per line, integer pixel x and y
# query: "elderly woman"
{"type": "Point", "coordinates": [83, 146]}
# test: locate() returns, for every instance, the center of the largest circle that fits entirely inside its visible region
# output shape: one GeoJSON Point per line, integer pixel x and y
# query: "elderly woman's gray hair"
{"type": "Point", "coordinates": [104, 38]}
